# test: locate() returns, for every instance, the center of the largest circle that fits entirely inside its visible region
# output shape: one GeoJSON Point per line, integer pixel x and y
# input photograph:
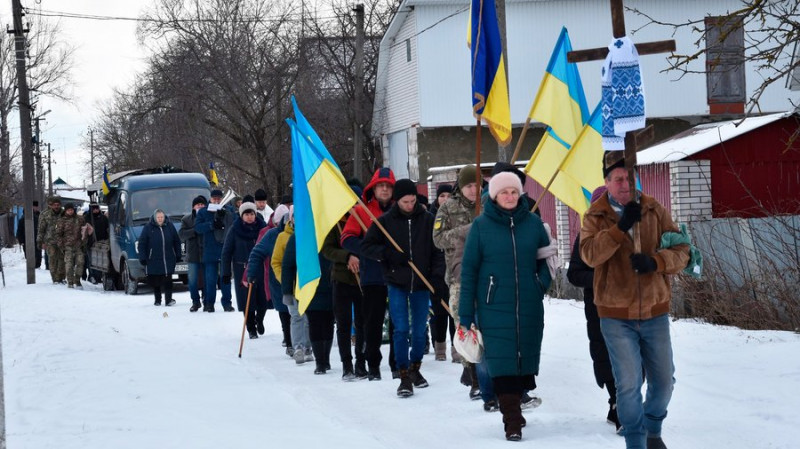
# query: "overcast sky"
{"type": "Point", "coordinates": [106, 56]}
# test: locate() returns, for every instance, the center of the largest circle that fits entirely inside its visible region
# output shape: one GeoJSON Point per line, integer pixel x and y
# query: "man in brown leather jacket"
{"type": "Point", "coordinates": [632, 294]}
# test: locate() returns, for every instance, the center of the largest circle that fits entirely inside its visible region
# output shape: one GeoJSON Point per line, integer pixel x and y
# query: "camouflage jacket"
{"type": "Point", "coordinates": [47, 227]}
{"type": "Point", "coordinates": [450, 230]}
{"type": "Point", "coordinates": [69, 231]}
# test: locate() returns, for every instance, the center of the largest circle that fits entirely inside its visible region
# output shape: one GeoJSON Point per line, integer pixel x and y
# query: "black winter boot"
{"type": "Point", "coordinates": [474, 388]}
{"type": "Point", "coordinates": [655, 443]}
{"type": "Point", "coordinates": [466, 378]}
{"type": "Point", "coordinates": [512, 416]}
{"type": "Point", "coordinates": [318, 347]}
{"type": "Point", "coordinates": [406, 387]}
{"type": "Point", "coordinates": [361, 369]}
{"type": "Point", "coordinates": [158, 300]}
{"type": "Point", "coordinates": [416, 376]}
{"type": "Point", "coordinates": [347, 371]}
{"type": "Point", "coordinates": [327, 353]}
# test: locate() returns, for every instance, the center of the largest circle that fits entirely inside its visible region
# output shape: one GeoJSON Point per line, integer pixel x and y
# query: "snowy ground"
{"type": "Point", "coordinates": [94, 369]}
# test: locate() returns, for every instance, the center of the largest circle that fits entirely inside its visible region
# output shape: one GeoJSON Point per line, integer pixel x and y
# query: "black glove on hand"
{"type": "Point", "coordinates": [251, 280]}
{"type": "Point", "coordinates": [226, 279]}
{"type": "Point", "coordinates": [218, 223]}
{"type": "Point", "coordinates": [643, 264]}
{"type": "Point", "coordinates": [143, 262]}
{"type": "Point", "coordinates": [630, 215]}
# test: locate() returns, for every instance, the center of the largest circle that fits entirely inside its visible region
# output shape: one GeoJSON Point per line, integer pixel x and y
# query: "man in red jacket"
{"type": "Point", "coordinates": [378, 198]}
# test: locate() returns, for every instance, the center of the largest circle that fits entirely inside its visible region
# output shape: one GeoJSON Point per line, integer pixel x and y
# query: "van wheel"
{"type": "Point", "coordinates": [130, 285]}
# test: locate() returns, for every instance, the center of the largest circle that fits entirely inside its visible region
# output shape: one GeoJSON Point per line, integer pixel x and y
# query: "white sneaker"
{"type": "Point", "coordinates": [530, 400]}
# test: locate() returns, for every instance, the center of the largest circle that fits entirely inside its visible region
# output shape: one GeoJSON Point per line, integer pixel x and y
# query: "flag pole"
{"type": "Point", "coordinates": [246, 311]}
{"type": "Point", "coordinates": [396, 246]}
{"type": "Point", "coordinates": [478, 174]}
{"type": "Point", "coordinates": [521, 138]}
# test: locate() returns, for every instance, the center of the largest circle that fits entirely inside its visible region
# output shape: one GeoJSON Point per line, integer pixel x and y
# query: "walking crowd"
{"type": "Point", "coordinates": [436, 272]}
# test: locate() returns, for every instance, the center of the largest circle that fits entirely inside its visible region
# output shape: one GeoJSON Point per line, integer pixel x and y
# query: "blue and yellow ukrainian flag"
{"type": "Point", "coordinates": [489, 85]}
{"type": "Point", "coordinates": [106, 184]}
{"type": "Point", "coordinates": [212, 174]}
{"type": "Point", "coordinates": [583, 165]}
{"type": "Point", "coordinates": [560, 102]}
{"type": "Point", "coordinates": [321, 198]}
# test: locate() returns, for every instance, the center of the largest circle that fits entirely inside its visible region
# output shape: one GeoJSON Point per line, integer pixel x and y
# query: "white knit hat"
{"type": "Point", "coordinates": [503, 180]}
{"type": "Point", "coordinates": [279, 213]}
{"type": "Point", "coordinates": [247, 206]}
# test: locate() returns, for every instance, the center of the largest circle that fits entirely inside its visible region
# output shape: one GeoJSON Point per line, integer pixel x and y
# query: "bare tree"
{"type": "Point", "coordinates": [772, 42]}
{"type": "Point", "coordinates": [50, 63]}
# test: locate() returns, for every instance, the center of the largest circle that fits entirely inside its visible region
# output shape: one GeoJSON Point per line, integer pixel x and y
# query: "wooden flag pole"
{"type": "Point", "coordinates": [478, 173]}
{"type": "Point", "coordinates": [396, 246]}
{"type": "Point", "coordinates": [246, 311]}
{"type": "Point", "coordinates": [521, 138]}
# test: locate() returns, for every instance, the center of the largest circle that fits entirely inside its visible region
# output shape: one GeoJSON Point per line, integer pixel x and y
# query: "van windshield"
{"type": "Point", "coordinates": [175, 202]}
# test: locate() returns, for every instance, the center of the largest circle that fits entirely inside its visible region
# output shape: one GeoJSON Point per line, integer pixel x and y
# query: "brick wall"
{"type": "Point", "coordinates": [690, 190]}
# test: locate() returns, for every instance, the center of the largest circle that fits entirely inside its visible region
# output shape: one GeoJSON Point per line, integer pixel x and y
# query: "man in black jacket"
{"type": "Point", "coordinates": [411, 226]}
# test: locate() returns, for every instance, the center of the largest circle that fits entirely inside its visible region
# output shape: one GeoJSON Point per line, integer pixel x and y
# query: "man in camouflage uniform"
{"type": "Point", "coordinates": [453, 221]}
{"type": "Point", "coordinates": [72, 234]}
{"type": "Point", "coordinates": [47, 238]}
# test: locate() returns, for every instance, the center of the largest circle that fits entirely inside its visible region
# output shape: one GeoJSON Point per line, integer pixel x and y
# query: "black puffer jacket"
{"type": "Point", "coordinates": [414, 234]}
{"type": "Point", "coordinates": [159, 247]}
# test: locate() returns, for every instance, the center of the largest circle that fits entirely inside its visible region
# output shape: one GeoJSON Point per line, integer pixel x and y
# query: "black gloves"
{"type": "Point", "coordinates": [143, 261]}
{"type": "Point", "coordinates": [219, 219]}
{"type": "Point", "coordinates": [630, 215]}
{"type": "Point", "coordinates": [395, 257]}
{"type": "Point", "coordinates": [251, 280]}
{"type": "Point", "coordinates": [643, 264]}
{"type": "Point", "coordinates": [226, 279]}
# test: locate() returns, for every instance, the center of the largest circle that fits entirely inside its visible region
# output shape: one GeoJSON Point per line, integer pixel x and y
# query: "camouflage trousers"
{"type": "Point", "coordinates": [73, 264]}
{"type": "Point", "coordinates": [56, 259]}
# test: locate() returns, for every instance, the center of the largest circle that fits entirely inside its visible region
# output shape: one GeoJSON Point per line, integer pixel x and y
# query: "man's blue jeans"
{"type": "Point", "coordinates": [632, 346]}
{"type": "Point", "coordinates": [210, 277]}
{"type": "Point", "coordinates": [194, 271]}
{"type": "Point", "coordinates": [401, 303]}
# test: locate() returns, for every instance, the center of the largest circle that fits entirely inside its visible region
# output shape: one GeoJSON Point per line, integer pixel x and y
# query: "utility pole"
{"type": "Point", "coordinates": [91, 153]}
{"type": "Point", "coordinates": [359, 89]}
{"type": "Point", "coordinates": [49, 171]}
{"type": "Point", "coordinates": [25, 132]}
{"type": "Point", "coordinates": [38, 156]}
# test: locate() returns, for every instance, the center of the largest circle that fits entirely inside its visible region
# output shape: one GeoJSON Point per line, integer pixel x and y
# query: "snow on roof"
{"type": "Point", "coordinates": [701, 137]}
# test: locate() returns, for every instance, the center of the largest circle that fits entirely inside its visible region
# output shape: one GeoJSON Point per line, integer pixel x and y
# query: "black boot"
{"type": "Point", "coordinates": [512, 415]}
{"type": "Point", "coordinates": [348, 375]}
{"type": "Point", "coordinates": [361, 369]}
{"type": "Point", "coordinates": [406, 387]}
{"type": "Point", "coordinates": [327, 352]}
{"type": "Point", "coordinates": [416, 376]}
{"type": "Point", "coordinates": [168, 301]}
{"type": "Point", "coordinates": [319, 348]}
{"type": "Point", "coordinates": [260, 322]}
{"type": "Point", "coordinates": [466, 378]}
{"type": "Point", "coordinates": [474, 388]}
{"type": "Point", "coordinates": [158, 300]}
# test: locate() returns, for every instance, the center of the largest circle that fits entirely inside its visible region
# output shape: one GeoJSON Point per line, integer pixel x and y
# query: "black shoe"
{"type": "Point", "coordinates": [169, 302]}
{"type": "Point", "coordinates": [416, 376]}
{"type": "Point", "coordinates": [320, 369]}
{"type": "Point", "coordinates": [475, 393]}
{"type": "Point", "coordinates": [395, 374]}
{"type": "Point", "coordinates": [374, 374]}
{"type": "Point", "coordinates": [205, 307]}
{"type": "Point", "coordinates": [228, 308]}
{"type": "Point", "coordinates": [655, 443]}
{"type": "Point", "coordinates": [529, 401]}
{"type": "Point", "coordinates": [157, 303]}
{"type": "Point", "coordinates": [260, 327]}
{"type": "Point", "coordinates": [361, 372]}
{"type": "Point", "coordinates": [210, 308]}
{"type": "Point", "coordinates": [253, 335]}
{"type": "Point", "coordinates": [612, 417]}
{"type": "Point", "coordinates": [290, 351]}
{"type": "Point", "coordinates": [195, 307]}
{"type": "Point", "coordinates": [406, 387]}
{"type": "Point", "coordinates": [491, 406]}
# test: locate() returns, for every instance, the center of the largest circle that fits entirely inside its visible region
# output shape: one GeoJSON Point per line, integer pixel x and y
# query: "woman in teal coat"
{"type": "Point", "coordinates": [502, 287]}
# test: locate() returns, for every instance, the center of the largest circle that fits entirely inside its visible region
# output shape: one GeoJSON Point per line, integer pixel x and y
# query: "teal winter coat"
{"type": "Point", "coordinates": [503, 285]}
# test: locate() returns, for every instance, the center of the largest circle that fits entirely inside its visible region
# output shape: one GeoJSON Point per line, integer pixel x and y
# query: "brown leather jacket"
{"type": "Point", "coordinates": [618, 291]}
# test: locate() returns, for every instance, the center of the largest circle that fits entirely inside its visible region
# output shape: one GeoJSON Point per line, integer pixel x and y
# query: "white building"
{"type": "Point", "coordinates": [423, 110]}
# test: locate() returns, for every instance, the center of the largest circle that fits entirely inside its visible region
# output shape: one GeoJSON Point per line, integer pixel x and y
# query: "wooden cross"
{"type": "Point", "coordinates": [634, 141]}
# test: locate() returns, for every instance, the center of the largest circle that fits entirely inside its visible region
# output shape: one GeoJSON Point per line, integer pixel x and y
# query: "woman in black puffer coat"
{"type": "Point", "coordinates": [239, 241]}
{"type": "Point", "coordinates": [159, 251]}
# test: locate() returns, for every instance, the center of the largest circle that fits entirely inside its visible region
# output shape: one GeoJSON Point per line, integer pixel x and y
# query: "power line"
{"type": "Point", "coordinates": [82, 16]}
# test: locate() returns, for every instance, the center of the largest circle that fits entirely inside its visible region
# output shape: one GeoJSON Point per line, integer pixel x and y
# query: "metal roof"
{"type": "Point", "coordinates": [702, 137]}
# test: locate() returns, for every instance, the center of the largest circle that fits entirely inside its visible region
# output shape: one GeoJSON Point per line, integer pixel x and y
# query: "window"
{"type": "Point", "coordinates": [793, 83]}
{"type": "Point", "coordinates": [725, 75]}
{"type": "Point", "coordinates": [408, 50]}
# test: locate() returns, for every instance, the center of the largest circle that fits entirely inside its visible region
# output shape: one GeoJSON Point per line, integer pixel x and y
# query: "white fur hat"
{"type": "Point", "coordinates": [503, 180]}
{"type": "Point", "coordinates": [279, 213]}
{"type": "Point", "coordinates": [247, 206]}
